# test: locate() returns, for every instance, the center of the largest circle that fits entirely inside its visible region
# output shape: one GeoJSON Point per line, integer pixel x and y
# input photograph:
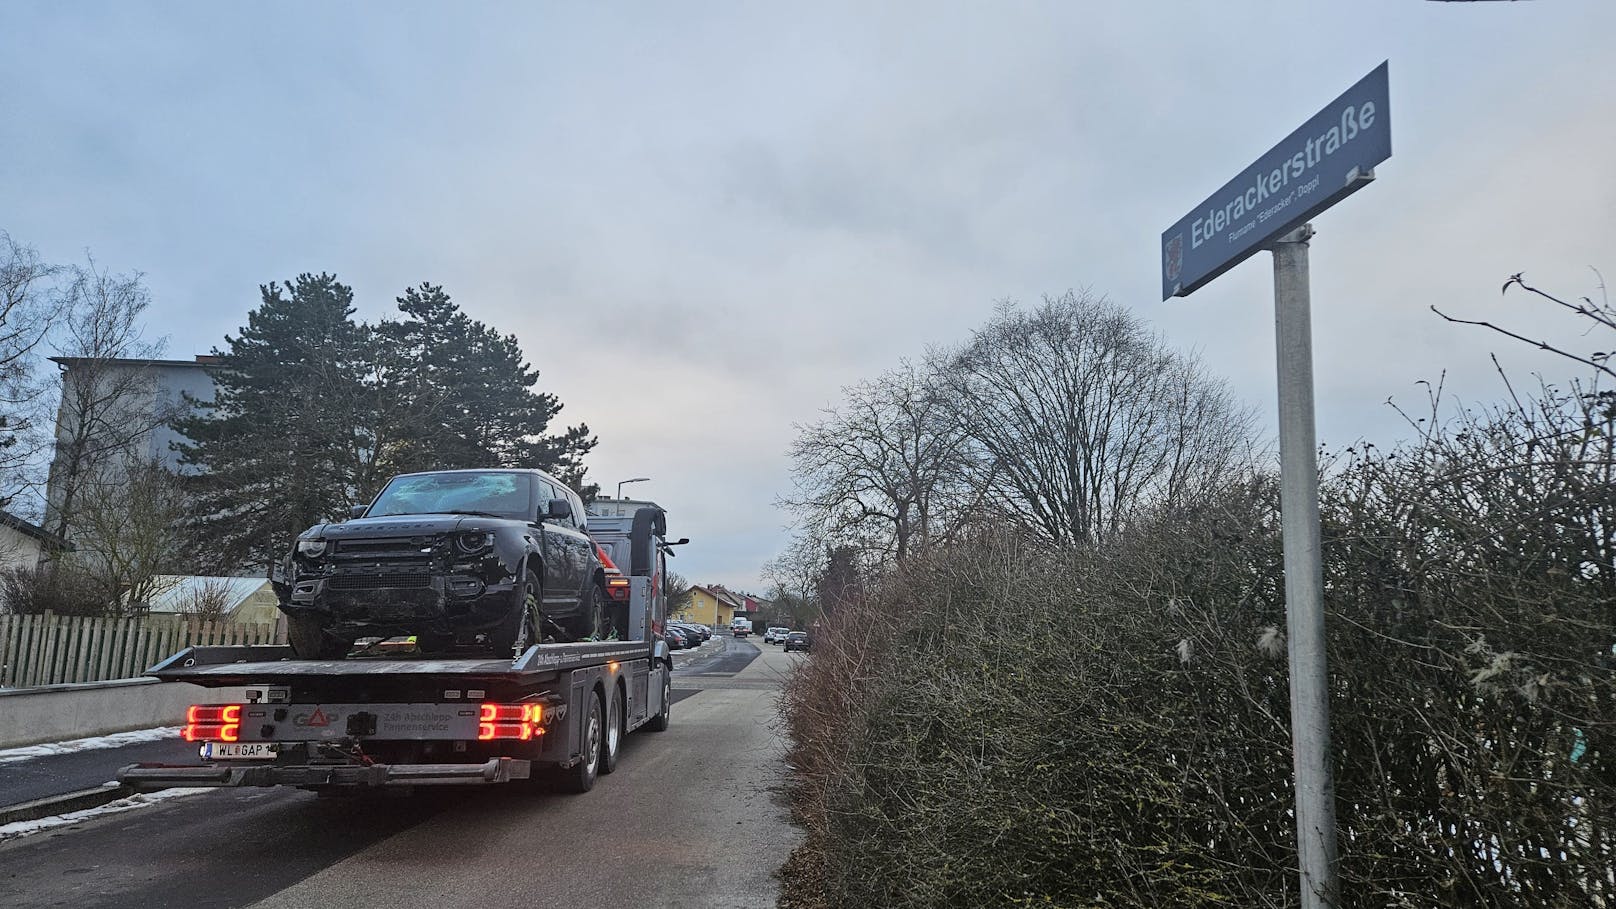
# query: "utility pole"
{"type": "Point", "coordinates": [1304, 578]}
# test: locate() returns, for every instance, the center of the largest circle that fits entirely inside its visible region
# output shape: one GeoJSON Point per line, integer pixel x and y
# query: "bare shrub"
{"type": "Point", "coordinates": [207, 601]}
{"type": "Point", "coordinates": [1005, 723]}
{"type": "Point", "coordinates": [58, 589]}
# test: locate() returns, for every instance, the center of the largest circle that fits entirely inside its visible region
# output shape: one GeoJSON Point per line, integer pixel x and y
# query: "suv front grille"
{"type": "Point", "coordinates": [379, 581]}
{"type": "Point", "coordinates": [386, 546]}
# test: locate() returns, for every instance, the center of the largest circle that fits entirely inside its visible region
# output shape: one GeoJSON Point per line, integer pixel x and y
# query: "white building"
{"type": "Point", "coordinates": [133, 403]}
{"type": "Point", "coordinates": [608, 507]}
{"type": "Point", "coordinates": [23, 544]}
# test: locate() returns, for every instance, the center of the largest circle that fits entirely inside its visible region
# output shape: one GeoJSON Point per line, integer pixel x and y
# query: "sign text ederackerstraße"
{"type": "Point", "coordinates": [1354, 118]}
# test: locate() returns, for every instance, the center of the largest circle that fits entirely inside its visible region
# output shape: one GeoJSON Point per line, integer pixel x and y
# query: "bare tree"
{"type": "Point", "coordinates": [131, 530]}
{"type": "Point", "coordinates": [1084, 416]}
{"type": "Point", "coordinates": [29, 307]}
{"type": "Point", "coordinates": [887, 468]}
{"type": "Point", "coordinates": [679, 591]}
{"type": "Point", "coordinates": [107, 411]}
{"type": "Point", "coordinates": [795, 574]}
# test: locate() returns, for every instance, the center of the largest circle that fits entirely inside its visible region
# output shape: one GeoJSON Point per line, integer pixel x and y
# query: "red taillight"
{"type": "Point", "coordinates": [212, 723]}
{"type": "Point", "coordinates": [209, 713]}
{"type": "Point", "coordinates": [509, 721]}
{"type": "Point", "coordinates": [487, 732]}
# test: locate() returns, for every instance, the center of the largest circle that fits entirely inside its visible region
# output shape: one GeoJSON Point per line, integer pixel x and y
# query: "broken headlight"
{"type": "Point", "coordinates": [474, 541]}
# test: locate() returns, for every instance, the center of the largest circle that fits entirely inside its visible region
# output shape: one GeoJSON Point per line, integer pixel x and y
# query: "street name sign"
{"type": "Point", "coordinates": [1330, 157]}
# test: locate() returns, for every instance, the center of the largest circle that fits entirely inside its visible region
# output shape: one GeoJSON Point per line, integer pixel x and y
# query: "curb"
{"type": "Point", "coordinates": [65, 803]}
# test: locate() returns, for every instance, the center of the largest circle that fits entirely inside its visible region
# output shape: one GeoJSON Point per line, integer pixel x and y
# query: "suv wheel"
{"type": "Point", "coordinates": [594, 623]}
{"type": "Point", "coordinates": [520, 629]}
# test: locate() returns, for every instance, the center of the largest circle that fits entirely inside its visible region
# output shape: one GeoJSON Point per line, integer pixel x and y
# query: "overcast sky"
{"type": "Point", "coordinates": [703, 219]}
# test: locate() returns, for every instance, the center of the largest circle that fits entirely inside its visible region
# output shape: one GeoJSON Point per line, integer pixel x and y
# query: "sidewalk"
{"type": "Point", "coordinates": [45, 771]}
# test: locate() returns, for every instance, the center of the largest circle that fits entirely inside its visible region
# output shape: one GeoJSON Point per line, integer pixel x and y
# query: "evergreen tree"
{"type": "Point", "coordinates": [284, 443]}
{"type": "Point", "coordinates": [461, 395]}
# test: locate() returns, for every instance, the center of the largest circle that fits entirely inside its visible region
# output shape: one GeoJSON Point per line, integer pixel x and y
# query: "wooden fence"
{"type": "Point", "coordinates": [50, 649]}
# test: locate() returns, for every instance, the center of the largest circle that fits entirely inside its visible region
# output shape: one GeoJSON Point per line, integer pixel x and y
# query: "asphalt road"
{"type": "Point", "coordinates": [688, 820]}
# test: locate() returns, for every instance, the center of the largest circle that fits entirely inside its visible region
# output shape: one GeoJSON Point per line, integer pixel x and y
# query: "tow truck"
{"type": "Point", "coordinates": [381, 720]}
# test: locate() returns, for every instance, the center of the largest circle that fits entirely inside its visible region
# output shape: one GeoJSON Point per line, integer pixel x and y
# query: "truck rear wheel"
{"type": "Point", "coordinates": [310, 641]}
{"type": "Point", "coordinates": [580, 777]}
{"type": "Point", "coordinates": [659, 723]}
{"type": "Point", "coordinates": [616, 719]}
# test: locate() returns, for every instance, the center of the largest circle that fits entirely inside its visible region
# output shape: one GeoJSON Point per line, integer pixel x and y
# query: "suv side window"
{"type": "Point", "coordinates": [580, 519]}
{"type": "Point", "coordinates": [547, 491]}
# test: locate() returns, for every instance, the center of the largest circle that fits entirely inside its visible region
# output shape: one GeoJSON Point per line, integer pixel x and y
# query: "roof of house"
{"type": "Point", "coordinates": [722, 594]}
{"type": "Point", "coordinates": [39, 533]}
{"type": "Point", "coordinates": [201, 360]}
{"type": "Point", "coordinates": [176, 592]}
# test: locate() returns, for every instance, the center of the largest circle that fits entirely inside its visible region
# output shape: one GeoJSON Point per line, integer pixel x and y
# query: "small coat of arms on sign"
{"type": "Point", "coordinates": [1175, 257]}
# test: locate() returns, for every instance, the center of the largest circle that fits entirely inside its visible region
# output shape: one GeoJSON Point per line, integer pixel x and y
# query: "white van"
{"type": "Point", "coordinates": [740, 627]}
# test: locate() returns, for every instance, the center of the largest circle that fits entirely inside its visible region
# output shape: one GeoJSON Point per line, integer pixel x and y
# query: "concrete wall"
{"type": "Point", "coordinates": [57, 713]}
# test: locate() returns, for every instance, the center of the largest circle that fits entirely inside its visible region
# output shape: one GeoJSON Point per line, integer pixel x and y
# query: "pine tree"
{"type": "Point", "coordinates": [284, 443]}
{"type": "Point", "coordinates": [461, 395]}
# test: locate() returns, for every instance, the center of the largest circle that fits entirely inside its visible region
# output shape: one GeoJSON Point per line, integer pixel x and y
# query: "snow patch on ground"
{"type": "Point", "coordinates": [115, 740]}
{"type": "Point", "coordinates": [24, 828]}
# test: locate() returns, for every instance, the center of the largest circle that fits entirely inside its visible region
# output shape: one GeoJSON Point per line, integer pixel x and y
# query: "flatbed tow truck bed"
{"type": "Point", "coordinates": [401, 721]}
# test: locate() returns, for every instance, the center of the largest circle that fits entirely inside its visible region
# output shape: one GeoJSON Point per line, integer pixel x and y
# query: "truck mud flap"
{"type": "Point", "coordinates": [147, 777]}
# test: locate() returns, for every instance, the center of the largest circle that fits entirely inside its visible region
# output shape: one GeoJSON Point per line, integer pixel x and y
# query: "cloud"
{"type": "Point", "coordinates": [702, 222]}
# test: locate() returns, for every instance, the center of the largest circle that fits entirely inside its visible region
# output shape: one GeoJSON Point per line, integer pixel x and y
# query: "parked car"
{"type": "Point", "coordinates": [701, 633]}
{"type": "Point", "coordinates": [677, 640]}
{"type": "Point", "coordinates": [706, 631]}
{"type": "Point", "coordinates": [450, 556]}
{"type": "Point", "coordinates": [689, 631]}
{"type": "Point", "coordinates": [775, 635]}
{"type": "Point", "coordinates": [797, 640]}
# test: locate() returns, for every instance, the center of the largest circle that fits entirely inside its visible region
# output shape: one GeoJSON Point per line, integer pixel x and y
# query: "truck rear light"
{"type": "Point", "coordinates": [212, 723]}
{"type": "Point", "coordinates": [509, 721]}
{"type": "Point", "coordinates": [617, 588]}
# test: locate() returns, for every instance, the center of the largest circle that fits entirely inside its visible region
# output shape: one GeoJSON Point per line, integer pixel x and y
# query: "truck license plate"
{"type": "Point", "coordinates": [235, 751]}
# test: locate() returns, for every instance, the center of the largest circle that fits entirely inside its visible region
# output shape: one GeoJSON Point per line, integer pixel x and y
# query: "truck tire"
{"type": "Point", "coordinates": [520, 629]}
{"type": "Point", "coordinates": [580, 777]}
{"type": "Point", "coordinates": [612, 743]}
{"type": "Point", "coordinates": [659, 723]}
{"type": "Point", "coordinates": [310, 641]}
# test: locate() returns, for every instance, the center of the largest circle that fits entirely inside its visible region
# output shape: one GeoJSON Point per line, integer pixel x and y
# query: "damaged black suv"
{"type": "Point", "coordinates": [499, 557]}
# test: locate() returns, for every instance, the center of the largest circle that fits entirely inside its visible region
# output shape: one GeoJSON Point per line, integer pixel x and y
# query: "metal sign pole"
{"type": "Point", "coordinates": [1304, 581]}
